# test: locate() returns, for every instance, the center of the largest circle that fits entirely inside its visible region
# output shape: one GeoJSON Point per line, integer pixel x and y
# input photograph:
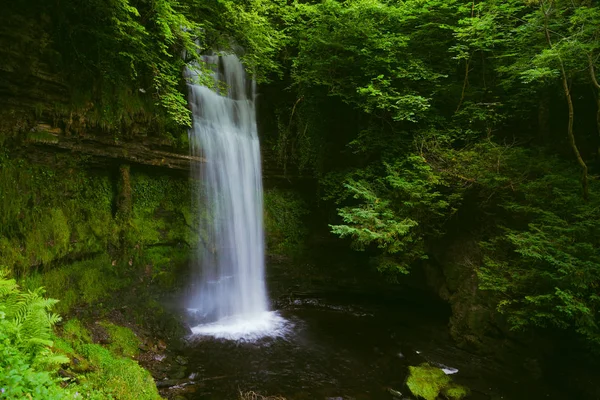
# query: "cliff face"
{"type": "Point", "coordinates": [81, 183]}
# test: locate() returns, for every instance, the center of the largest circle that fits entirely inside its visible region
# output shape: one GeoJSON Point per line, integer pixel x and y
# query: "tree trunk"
{"type": "Point", "coordinates": [567, 90]}
{"type": "Point", "coordinates": [597, 86]}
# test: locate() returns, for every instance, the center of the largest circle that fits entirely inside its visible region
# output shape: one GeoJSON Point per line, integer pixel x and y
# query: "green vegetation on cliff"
{"type": "Point", "coordinates": [120, 62]}
{"type": "Point", "coordinates": [82, 232]}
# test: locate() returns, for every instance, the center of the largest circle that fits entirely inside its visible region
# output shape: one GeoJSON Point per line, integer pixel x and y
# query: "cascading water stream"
{"type": "Point", "coordinates": [229, 293]}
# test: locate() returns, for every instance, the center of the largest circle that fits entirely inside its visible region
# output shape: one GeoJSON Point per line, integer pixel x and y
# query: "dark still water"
{"type": "Point", "coordinates": [337, 351]}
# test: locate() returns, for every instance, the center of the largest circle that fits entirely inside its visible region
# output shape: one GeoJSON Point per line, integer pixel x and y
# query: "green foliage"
{"type": "Point", "coordinates": [19, 379]}
{"type": "Point", "coordinates": [395, 212]}
{"type": "Point", "coordinates": [123, 59]}
{"type": "Point", "coordinates": [543, 259]}
{"type": "Point", "coordinates": [429, 382]}
{"type": "Point", "coordinates": [285, 229]}
{"type": "Point", "coordinates": [418, 115]}
{"type": "Point", "coordinates": [25, 337]}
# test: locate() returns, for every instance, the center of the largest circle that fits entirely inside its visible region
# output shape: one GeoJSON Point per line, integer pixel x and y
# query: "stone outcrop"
{"type": "Point", "coordinates": [105, 149]}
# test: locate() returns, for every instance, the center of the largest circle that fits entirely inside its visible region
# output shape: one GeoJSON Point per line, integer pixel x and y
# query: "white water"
{"type": "Point", "coordinates": [230, 294]}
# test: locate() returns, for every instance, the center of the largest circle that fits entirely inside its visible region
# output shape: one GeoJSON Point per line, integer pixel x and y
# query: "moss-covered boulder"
{"type": "Point", "coordinates": [431, 383]}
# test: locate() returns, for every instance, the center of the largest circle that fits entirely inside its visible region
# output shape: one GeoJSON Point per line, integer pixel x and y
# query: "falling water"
{"type": "Point", "coordinates": [230, 294]}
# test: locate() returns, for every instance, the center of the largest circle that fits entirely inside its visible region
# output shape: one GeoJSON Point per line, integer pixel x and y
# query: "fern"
{"type": "Point", "coordinates": [27, 320]}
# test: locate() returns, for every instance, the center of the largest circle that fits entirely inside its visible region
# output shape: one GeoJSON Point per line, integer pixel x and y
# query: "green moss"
{"type": "Point", "coordinates": [428, 382]}
{"type": "Point", "coordinates": [47, 213]}
{"type": "Point", "coordinates": [456, 392]}
{"type": "Point", "coordinates": [84, 282]}
{"type": "Point", "coordinates": [104, 372]}
{"type": "Point", "coordinates": [161, 211]}
{"type": "Point", "coordinates": [164, 263]}
{"type": "Point", "coordinates": [122, 340]}
{"type": "Point", "coordinates": [42, 137]}
{"type": "Point", "coordinates": [124, 202]}
{"type": "Point", "coordinates": [48, 238]}
{"type": "Point", "coordinates": [115, 376]}
{"type": "Point", "coordinates": [285, 229]}
{"type": "Point", "coordinates": [76, 333]}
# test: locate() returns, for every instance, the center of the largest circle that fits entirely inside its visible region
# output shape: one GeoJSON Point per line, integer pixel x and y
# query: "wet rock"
{"type": "Point", "coordinates": [179, 373]}
{"type": "Point", "coordinates": [395, 394]}
{"type": "Point", "coordinates": [143, 347]}
{"type": "Point", "coordinates": [189, 388]}
{"type": "Point", "coordinates": [181, 360]}
{"type": "Point", "coordinates": [162, 367]}
{"type": "Point", "coordinates": [67, 374]}
{"type": "Point", "coordinates": [167, 383]}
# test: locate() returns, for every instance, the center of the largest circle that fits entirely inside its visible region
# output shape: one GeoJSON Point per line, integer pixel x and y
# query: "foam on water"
{"type": "Point", "coordinates": [245, 327]}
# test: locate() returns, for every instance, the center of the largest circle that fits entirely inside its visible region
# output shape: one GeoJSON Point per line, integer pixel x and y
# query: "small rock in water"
{"type": "Point", "coordinates": [446, 369]}
{"type": "Point", "coordinates": [395, 394]}
{"type": "Point", "coordinates": [165, 383]}
{"type": "Point", "coordinates": [417, 351]}
{"type": "Point", "coordinates": [400, 355]}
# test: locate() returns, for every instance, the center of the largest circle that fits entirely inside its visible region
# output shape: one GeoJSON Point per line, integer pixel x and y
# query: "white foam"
{"type": "Point", "coordinates": [246, 327]}
{"type": "Point", "coordinates": [449, 370]}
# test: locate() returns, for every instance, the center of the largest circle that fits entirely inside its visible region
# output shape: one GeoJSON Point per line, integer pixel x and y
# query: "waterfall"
{"type": "Point", "coordinates": [229, 294]}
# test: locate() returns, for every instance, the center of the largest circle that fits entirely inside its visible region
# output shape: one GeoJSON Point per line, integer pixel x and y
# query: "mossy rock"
{"type": "Point", "coordinates": [430, 383]}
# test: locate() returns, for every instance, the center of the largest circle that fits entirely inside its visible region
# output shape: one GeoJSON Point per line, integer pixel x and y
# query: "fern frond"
{"type": "Point", "coordinates": [48, 358]}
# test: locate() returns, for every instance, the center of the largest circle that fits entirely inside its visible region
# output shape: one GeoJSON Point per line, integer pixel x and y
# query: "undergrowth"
{"type": "Point", "coordinates": [31, 354]}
